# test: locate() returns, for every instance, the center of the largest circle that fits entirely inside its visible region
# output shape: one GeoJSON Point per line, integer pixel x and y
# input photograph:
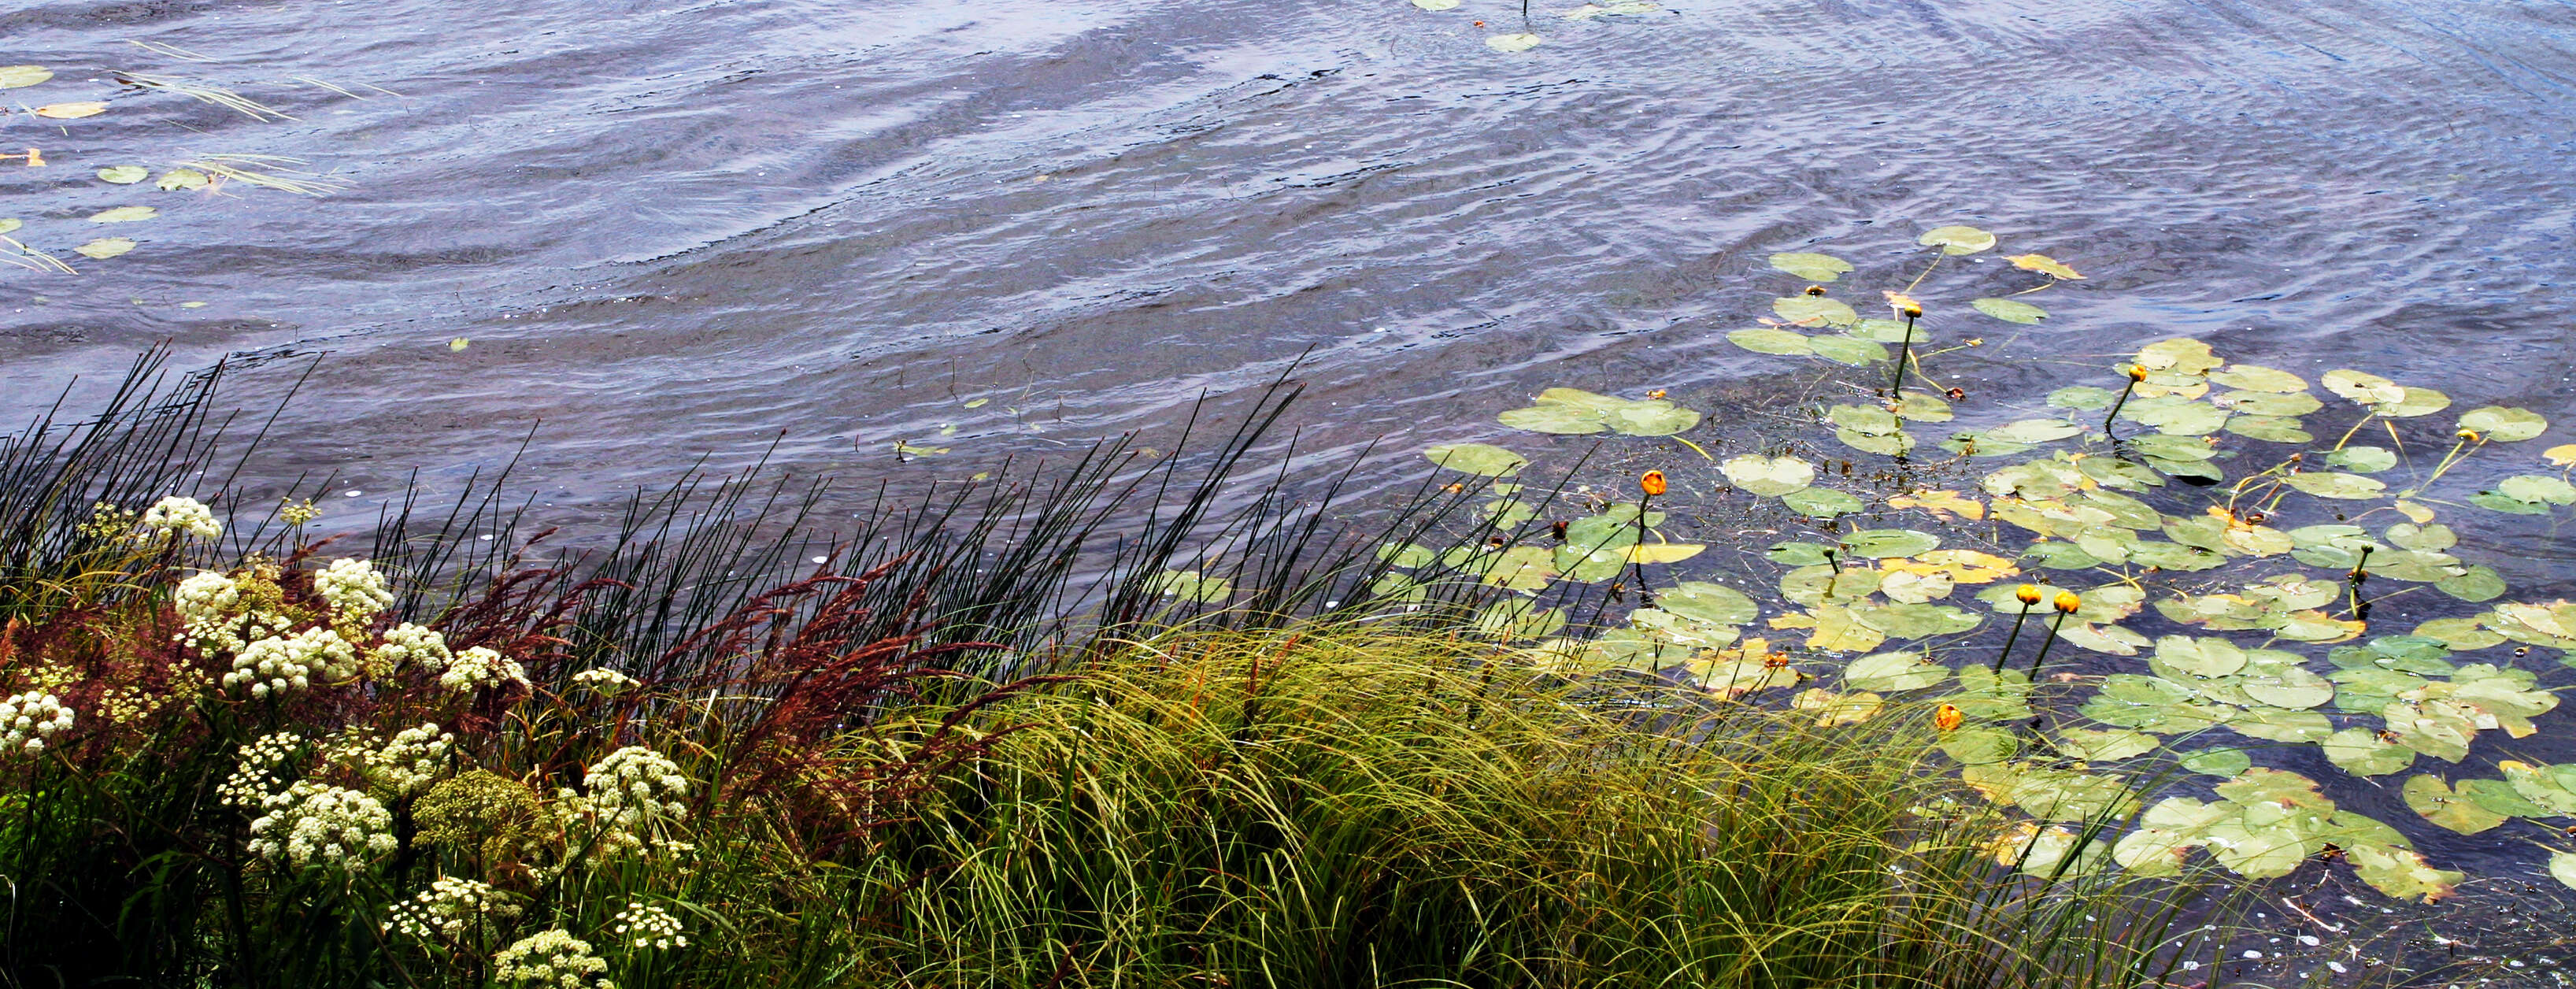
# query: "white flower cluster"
{"type": "Point", "coordinates": [284, 665]}
{"type": "Point", "coordinates": [26, 720]}
{"type": "Point", "coordinates": [552, 958]}
{"type": "Point", "coordinates": [480, 667]}
{"type": "Point", "coordinates": [635, 786]}
{"type": "Point", "coordinates": [416, 758]}
{"type": "Point", "coordinates": [218, 620]}
{"type": "Point", "coordinates": [409, 645]}
{"type": "Point", "coordinates": [180, 514]}
{"type": "Point", "coordinates": [318, 824]}
{"type": "Point", "coordinates": [353, 588]}
{"type": "Point", "coordinates": [607, 681]}
{"type": "Point", "coordinates": [646, 926]}
{"type": "Point", "coordinates": [255, 780]}
{"type": "Point", "coordinates": [449, 908]}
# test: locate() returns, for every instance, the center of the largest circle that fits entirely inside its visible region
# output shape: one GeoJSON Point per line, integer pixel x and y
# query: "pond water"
{"type": "Point", "coordinates": [1008, 227]}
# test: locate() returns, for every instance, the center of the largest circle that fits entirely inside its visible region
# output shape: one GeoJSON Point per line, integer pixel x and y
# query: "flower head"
{"type": "Point", "coordinates": [182, 514]}
{"type": "Point", "coordinates": [1652, 482]}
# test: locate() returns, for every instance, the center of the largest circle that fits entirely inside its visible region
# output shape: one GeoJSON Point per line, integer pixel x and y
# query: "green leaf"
{"type": "Point", "coordinates": [1768, 475]}
{"type": "Point", "coordinates": [1893, 671]}
{"type": "Point", "coordinates": [181, 178]}
{"type": "Point", "coordinates": [2181, 355]}
{"type": "Point", "coordinates": [2034, 431]}
{"type": "Point", "coordinates": [1815, 310]}
{"type": "Point", "coordinates": [1477, 458]}
{"type": "Point", "coordinates": [2537, 487]}
{"type": "Point", "coordinates": [106, 247]}
{"type": "Point", "coordinates": [2562, 867]}
{"type": "Point", "coordinates": [2480, 583]}
{"type": "Point", "coordinates": [1821, 502]}
{"type": "Point", "coordinates": [2219, 761]}
{"type": "Point", "coordinates": [2082, 397]}
{"type": "Point", "coordinates": [2326, 484]}
{"type": "Point", "coordinates": [1716, 604]}
{"type": "Point", "coordinates": [124, 214]}
{"type": "Point", "coordinates": [1512, 42]}
{"type": "Point", "coordinates": [1812, 267]}
{"type": "Point", "coordinates": [2360, 751]}
{"type": "Point", "coordinates": [1957, 240]}
{"type": "Point", "coordinates": [2362, 387]}
{"type": "Point", "coordinates": [1889, 543]}
{"type": "Point", "coordinates": [124, 174]}
{"type": "Point", "coordinates": [2363, 459]}
{"type": "Point", "coordinates": [2512, 506]}
{"type": "Point", "coordinates": [1848, 350]}
{"type": "Point", "coordinates": [2270, 404]}
{"type": "Point", "coordinates": [2010, 310]}
{"type": "Point", "coordinates": [2253, 377]}
{"type": "Point", "coordinates": [1770, 341]}
{"type": "Point", "coordinates": [2504, 425]}
{"type": "Point", "coordinates": [1573, 411]}
{"type": "Point", "coordinates": [2434, 799]}
{"type": "Point", "coordinates": [18, 76]}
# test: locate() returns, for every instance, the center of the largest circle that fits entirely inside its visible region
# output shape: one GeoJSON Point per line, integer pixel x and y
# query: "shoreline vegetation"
{"type": "Point", "coordinates": [249, 760]}
{"type": "Point", "coordinates": [1158, 720]}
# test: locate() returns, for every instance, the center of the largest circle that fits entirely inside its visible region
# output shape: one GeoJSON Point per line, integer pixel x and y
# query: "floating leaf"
{"type": "Point", "coordinates": [2363, 459]}
{"type": "Point", "coordinates": [2274, 429]}
{"type": "Point", "coordinates": [1436, 4]}
{"type": "Point", "coordinates": [2181, 355]}
{"type": "Point", "coordinates": [2362, 752]}
{"type": "Point", "coordinates": [106, 247]}
{"type": "Point", "coordinates": [124, 174]}
{"type": "Point", "coordinates": [1769, 475]}
{"type": "Point", "coordinates": [2504, 425]}
{"type": "Point", "coordinates": [1663, 552]}
{"type": "Point", "coordinates": [1770, 341]}
{"type": "Point", "coordinates": [2538, 487]}
{"type": "Point", "coordinates": [185, 178]}
{"type": "Point", "coordinates": [2219, 761]}
{"type": "Point", "coordinates": [2326, 484]}
{"type": "Point", "coordinates": [1716, 604]}
{"type": "Point", "coordinates": [2480, 583]}
{"type": "Point", "coordinates": [2263, 403]}
{"type": "Point", "coordinates": [1521, 42]}
{"type": "Point", "coordinates": [1477, 458]}
{"type": "Point", "coordinates": [1189, 585]}
{"type": "Point", "coordinates": [2402, 873]}
{"type": "Point", "coordinates": [2562, 867]}
{"type": "Point", "coordinates": [2363, 387]}
{"type": "Point", "coordinates": [1848, 350]}
{"type": "Point", "coordinates": [2562, 455]}
{"type": "Point", "coordinates": [1574, 411]}
{"type": "Point", "coordinates": [7, 225]}
{"type": "Point", "coordinates": [1885, 543]}
{"type": "Point", "coordinates": [2494, 501]}
{"type": "Point", "coordinates": [1812, 267]}
{"type": "Point", "coordinates": [18, 76]}
{"type": "Point", "coordinates": [457, 345]}
{"type": "Point", "coordinates": [2082, 397]}
{"type": "Point", "coordinates": [2253, 377]}
{"type": "Point", "coordinates": [2034, 431]}
{"type": "Point", "coordinates": [71, 111]}
{"type": "Point", "coordinates": [1889, 671]}
{"type": "Point", "coordinates": [1957, 240]}
{"type": "Point", "coordinates": [2104, 746]}
{"type": "Point", "coordinates": [1815, 310]}
{"type": "Point", "coordinates": [124, 214]}
{"type": "Point", "coordinates": [2010, 310]}
{"type": "Point", "coordinates": [2043, 264]}
{"type": "Point", "coordinates": [2434, 799]}
{"type": "Point", "coordinates": [1820, 502]}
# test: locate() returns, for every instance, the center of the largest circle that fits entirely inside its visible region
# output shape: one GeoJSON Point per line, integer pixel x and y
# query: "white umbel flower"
{"type": "Point", "coordinates": [645, 926]}
{"type": "Point", "coordinates": [318, 824]}
{"type": "Point", "coordinates": [27, 720]}
{"type": "Point", "coordinates": [551, 958]}
{"type": "Point", "coordinates": [409, 645]}
{"type": "Point", "coordinates": [416, 758]}
{"type": "Point", "coordinates": [478, 668]}
{"type": "Point", "coordinates": [257, 779]}
{"type": "Point", "coordinates": [635, 786]}
{"type": "Point", "coordinates": [180, 514]}
{"type": "Point", "coordinates": [607, 682]}
{"type": "Point", "coordinates": [450, 908]}
{"type": "Point", "coordinates": [354, 589]}
{"type": "Point", "coordinates": [293, 664]}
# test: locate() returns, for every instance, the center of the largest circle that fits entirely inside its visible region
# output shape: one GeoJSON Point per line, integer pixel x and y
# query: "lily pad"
{"type": "Point", "coordinates": [1573, 411]}
{"type": "Point", "coordinates": [1848, 350]}
{"type": "Point", "coordinates": [70, 111]}
{"type": "Point", "coordinates": [2435, 800]}
{"type": "Point", "coordinates": [1519, 42]}
{"type": "Point", "coordinates": [2044, 265]}
{"type": "Point", "coordinates": [1765, 340]}
{"type": "Point", "coordinates": [1812, 267]}
{"type": "Point", "coordinates": [19, 76]}
{"type": "Point", "coordinates": [106, 247]}
{"type": "Point", "coordinates": [1769, 475]}
{"type": "Point", "coordinates": [2082, 397]}
{"type": "Point", "coordinates": [1716, 604]}
{"type": "Point", "coordinates": [2010, 310]}
{"type": "Point", "coordinates": [2327, 484]}
{"type": "Point", "coordinates": [2362, 752]}
{"type": "Point", "coordinates": [1891, 671]}
{"type": "Point", "coordinates": [124, 174]}
{"type": "Point", "coordinates": [2252, 377]}
{"type": "Point", "coordinates": [2363, 459]}
{"type": "Point", "coordinates": [1815, 310]}
{"type": "Point", "coordinates": [1888, 543]}
{"type": "Point", "coordinates": [1482, 459]}
{"type": "Point", "coordinates": [186, 178]}
{"type": "Point", "coordinates": [2504, 425]}
{"type": "Point", "coordinates": [1821, 502]}
{"type": "Point", "coordinates": [1956, 240]}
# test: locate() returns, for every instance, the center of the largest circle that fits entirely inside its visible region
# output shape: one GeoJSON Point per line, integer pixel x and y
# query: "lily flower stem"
{"type": "Point", "coordinates": [1645, 596]}
{"type": "Point", "coordinates": [1904, 354]}
{"type": "Point", "coordinates": [2453, 458]}
{"type": "Point", "coordinates": [2044, 645]}
{"type": "Point", "coordinates": [2116, 404]}
{"type": "Point", "coordinates": [2018, 618]}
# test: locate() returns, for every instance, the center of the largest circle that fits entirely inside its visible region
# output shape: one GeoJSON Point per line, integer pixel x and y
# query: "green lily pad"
{"type": "Point", "coordinates": [124, 174]}
{"type": "Point", "coordinates": [2010, 310]}
{"type": "Point", "coordinates": [2220, 761]}
{"type": "Point", "coordinates": [1190, 585]}
{"type": "Point", "coordinates": [1815, 310]}
{"type": "Point", "coordinates": [2327, 484]}
{"type": "Point", "coordinates": [1881, 330]}
{"type": "Point", "coordinates": [1848, 350]}
{"type": "Point", "coordinates": [2496, 502]}
{"type": "Point", "coordinates": [1573, 411]}
{"type": "Point", "coordinates": [2562, 867]}
{"type": "Point", "coordinates": [2181, 355]}
{"type": "Point", "coordinates": [1957, 240]}
{"type": "Point", "coordinates": [124, 214]}
{"type": "Point", "coordinates": [1519, 42]}
{"type": "Point", "coordinates": [1893, 671]}
{"type": "Point", "coordinates": [1812, 267]}
{"type": "Point", "coordinates": [2270, 403]}
{"type": "Point", "coordinates": [2504, 425]}
{"type": "Point", "coordinates": [182, 178]}
{"type": "Point", "coordinates": [2538, 487]}
{"type": "Point", "coordinates": [19, 76]}
{"type": "Point", "coordinates": [2034, 431]}
{"type": "Point", "coordinates": [2270, 429]}
{"type": "Point", "coordinates": [2082, 397]}
{"type": "Point", "coordinates": [2480, 583]}
{"type": "Point", "coordinates": [1889, 543]}
{"type": "Point", "coordinates": [2363, 459]}
{"type": "Point", "coordinates": [2362, 387]}
{"type": "Point", "coordinates": [1821, 502]}
{"type": "Point", "coordinates": [106, 247]}
{"type": "Point", "coordinates": [2200, 657]}
{"type": "Point", "coordinates": [1481, 459]}
{"type": "Point", "coordinates": [1716, 604]}
{"type": "Point", "coordinates": [2361, 752]}
{"type": "Point", "coordinates": [1768, 475]}
{"type": "Point", "coordinates": [1770, 341]}
{"type": "Point", "coordinates": [2252, 377]}
{"type": "Point", "coordinates": [1980, 746]}
{"type": "Point", "coordinates": [2435, 800]}
{"type": "Point", "coordinates": [2293, 688]}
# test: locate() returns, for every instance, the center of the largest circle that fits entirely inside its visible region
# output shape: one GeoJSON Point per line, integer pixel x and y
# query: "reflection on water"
{"type": "Point", "coordinates": [667, 230]}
